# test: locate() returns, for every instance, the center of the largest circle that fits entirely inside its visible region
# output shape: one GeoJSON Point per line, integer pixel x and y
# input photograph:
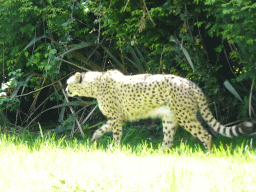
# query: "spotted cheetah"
{"type": "Point", "coordinates": [172, 98]}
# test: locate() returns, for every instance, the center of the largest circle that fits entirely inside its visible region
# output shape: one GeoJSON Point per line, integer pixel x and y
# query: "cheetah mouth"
{"type": "Point", "coordinates": [68, 93]}
{"type": "Point", "coordinates": [71, 94]}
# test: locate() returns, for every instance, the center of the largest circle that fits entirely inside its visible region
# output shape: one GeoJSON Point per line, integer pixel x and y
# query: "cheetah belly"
{"type": "Point", "coordinates": [160, 112]}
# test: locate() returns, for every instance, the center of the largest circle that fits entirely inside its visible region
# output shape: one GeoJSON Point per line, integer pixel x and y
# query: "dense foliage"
{"type": "Point", "coordinates": [208, 41]}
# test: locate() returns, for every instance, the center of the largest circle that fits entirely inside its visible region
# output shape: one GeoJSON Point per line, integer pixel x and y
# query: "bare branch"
{"type": "Point", "coordinates": [72, 111]}
{"type": "Point", "coordinates": [126, 5]}
{"type": "Point", "coordinates": [148, 12]}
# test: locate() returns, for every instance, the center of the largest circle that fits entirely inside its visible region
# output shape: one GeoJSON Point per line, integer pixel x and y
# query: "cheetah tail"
{"type": "Point", "coordinates": [236, 130]}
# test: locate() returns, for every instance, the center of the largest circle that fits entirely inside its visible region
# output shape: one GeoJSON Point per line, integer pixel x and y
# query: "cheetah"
{"type": "Point", "coordinates": [174, 99]}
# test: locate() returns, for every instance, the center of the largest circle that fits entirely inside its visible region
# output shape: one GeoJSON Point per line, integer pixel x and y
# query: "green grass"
{"type": "Point", "coordinates": [29, 163]}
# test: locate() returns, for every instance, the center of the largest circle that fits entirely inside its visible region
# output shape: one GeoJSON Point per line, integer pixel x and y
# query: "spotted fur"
{"type": "Point", "coordinates": [129, 98]}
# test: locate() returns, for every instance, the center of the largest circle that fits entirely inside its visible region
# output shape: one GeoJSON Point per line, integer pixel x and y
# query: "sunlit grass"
{"type": "Point", "coordinates": [47, 164]}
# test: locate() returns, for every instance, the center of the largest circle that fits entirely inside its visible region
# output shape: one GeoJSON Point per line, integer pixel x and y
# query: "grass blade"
{"type": "Point", "coordinates": [188, 58]}
{"type": "Point", "coordinates": [138, 63]}
{"type": "Point", "coordinates": [113, 57]}
{"type": "Point", "coordinates": [33, 41]}
{"type": "Point", "coordinates": [140, 55]}
{"type": "Point", "coordinates": [75, 47]}
{"type": "Point", "coordinates": [232, 90]}
{"type": "Point", "coordinates": [14, 93]}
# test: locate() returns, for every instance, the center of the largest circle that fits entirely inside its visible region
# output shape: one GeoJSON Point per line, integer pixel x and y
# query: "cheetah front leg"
{"type": "Point", "coordinates": [98, 133]}
{"type": "Point", "coordinates": [169, 131]}
{"type": "Point", "coordinates": [170, 124]}
{"type": "Point", "coordinates": [111, 125]}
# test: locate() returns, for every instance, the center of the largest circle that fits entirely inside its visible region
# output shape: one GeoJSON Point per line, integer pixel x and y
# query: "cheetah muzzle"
{"type": "Point", "coordinates": [174, 99]}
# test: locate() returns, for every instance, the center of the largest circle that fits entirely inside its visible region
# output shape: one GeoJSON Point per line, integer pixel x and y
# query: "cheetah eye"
{"type": "Point", "coordinates": [80, 80]}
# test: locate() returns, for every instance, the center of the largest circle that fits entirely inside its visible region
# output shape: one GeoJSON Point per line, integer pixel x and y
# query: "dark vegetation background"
{"type": "Point", "coordinates": [42, 43]}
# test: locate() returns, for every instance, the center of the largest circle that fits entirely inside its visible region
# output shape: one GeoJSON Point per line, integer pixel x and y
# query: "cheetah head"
{"type": "Point", "coordinates": [83, 84]}
{"type": "Point", "coordinates": [73, 84]}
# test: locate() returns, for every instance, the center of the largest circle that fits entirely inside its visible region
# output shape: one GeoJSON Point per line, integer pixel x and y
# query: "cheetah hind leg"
{"type": "Point", "coordinates": [197, 130]}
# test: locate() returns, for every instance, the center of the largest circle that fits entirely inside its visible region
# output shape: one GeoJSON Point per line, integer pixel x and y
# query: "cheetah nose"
{"type": "Point", "coordinates": [67, 91]}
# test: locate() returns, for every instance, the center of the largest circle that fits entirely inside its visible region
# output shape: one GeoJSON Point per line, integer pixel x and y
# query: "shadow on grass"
{"type": "Point", "coordinates": [134, 137]}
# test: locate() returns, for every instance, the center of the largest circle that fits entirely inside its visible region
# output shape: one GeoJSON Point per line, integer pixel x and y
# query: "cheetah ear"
{"type": "Point", "coordinates": [77, 77]}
